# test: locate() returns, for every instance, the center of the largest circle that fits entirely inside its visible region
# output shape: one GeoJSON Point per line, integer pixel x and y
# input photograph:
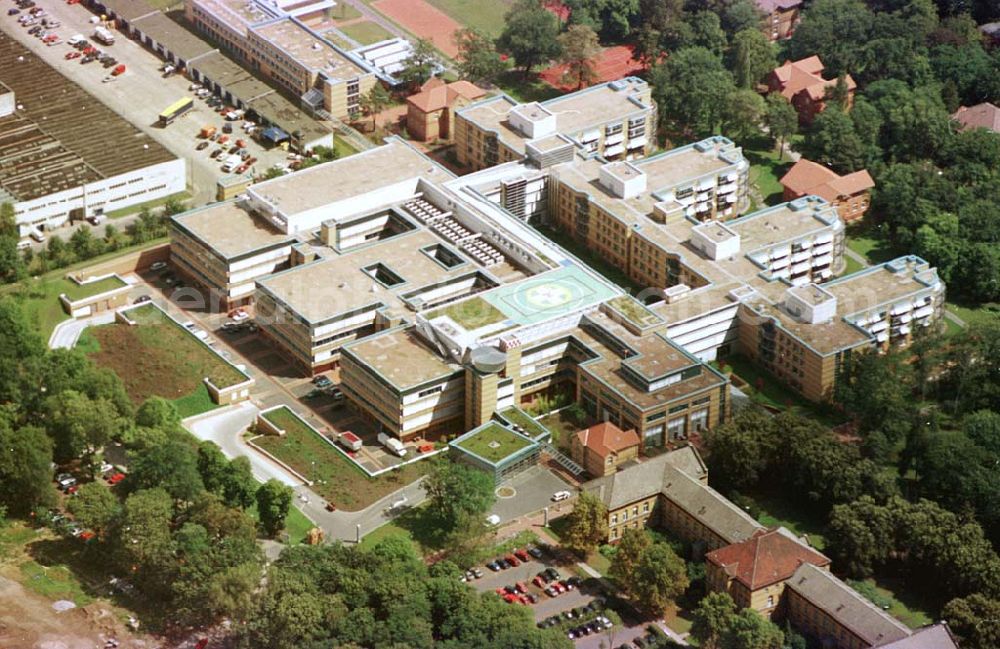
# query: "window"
{"type": "Point", "coordinates": [614, 533]}
{"type": "Point", "coordinates": [614, 519]}
{"type": "Point", "coordinates": [645, 507]}
{"type": "Point", "coordinates": [624, 515]}
{"type": "Point", "coordinates": [699, 420]}
{"type": "Point", "coordinates": [676, 428]}
{"type": "Point", "coordinates": [770, 601]}
{"type": "Point", "coordinates": [635, 510]}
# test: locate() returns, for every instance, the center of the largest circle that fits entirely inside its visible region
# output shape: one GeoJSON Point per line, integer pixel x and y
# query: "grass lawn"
{"type": "Point", "coordinates": [881, 593]}
{"type": "Point", "coordinates": [344, 11]}
{"type": "Point", "coordinates": [852, 265]}
{"type": "Point", "coordinates": [471, 314]}
{"type": "Point", "coordinates": [297, 525]}
{"type": "Point", "coordinates": [766, 390]}
{"type": "Point", "coordinates": [610, 272]}
{"type": "Point", "coordinates": [366, 32]}
{"type": "Point", "coordinates": [634, 311]}
{"type": "Point", "coordinates": [779, 510]}
{"type": "Point", "coordinates": [76, 291]}
{"type": "Point", "coordinates": [525, 89]}
{"type": "Point", "coordinates": [765, 172]}
{"type": "Point", "coordinates": [485, 15]}
{"type": "Point", "coordinates": [982, 314]}
{"type": "Point", "coordinates": [493, 443]}
{"type": "Point", "coordinates": [520, 418]}
{"type": "Point", "coordinates": [873, 248]}
{"type": "Point", "coordinates": [334, 477]}
{"type": "Point", "coordinates": [679, 620]}
{"type": "Point", "coordinates": [562, 427]}
{"type": "Point", "coordinates": [160, 358]}
{"type": "Point", "coordinates": [55, 582]}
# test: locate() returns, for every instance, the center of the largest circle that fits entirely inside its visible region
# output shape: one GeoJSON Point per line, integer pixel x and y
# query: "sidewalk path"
{"type": "Point", "coordinates": [66, 333]}
{"type": "Point", "coordinates": [225, 427]}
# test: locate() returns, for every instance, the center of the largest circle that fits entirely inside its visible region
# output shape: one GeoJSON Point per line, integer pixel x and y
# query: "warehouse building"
{"type": "Point", "coordinates": [70, 168]}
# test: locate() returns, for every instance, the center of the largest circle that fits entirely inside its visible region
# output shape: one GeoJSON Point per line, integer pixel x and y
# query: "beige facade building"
{"type": "Point", "coordinates": [616, 120]}
{"type": "Point", "coordinates": [603, 447]}
{"type": "Point", "coordinates": [277, 42]}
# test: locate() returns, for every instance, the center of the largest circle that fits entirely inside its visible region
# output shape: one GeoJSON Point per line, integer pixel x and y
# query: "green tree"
{"type": "Point", "coordinates": [81, 426]}
{"type": "Point", "coordinates": [84, 244]}
{"type": "Point", "coordinates": [579, 47]}
{"type": "Point", "coordinates": [691, 88]}
{"type": "Point", "coordinates": [421, 64]}
{"type": "Point", "coordinates": [144, 542]}
{"type": "Point", "coordinates": [374, 102]}
{"type": "Point", "coordinates": [740, 449]}
{"type": "Point", "coordinates": [628, 555]}
{"type": "Point", "coordinates": [157, 412]}
{"type": "Point", "coordinates": [586, 525]}
{"type": "Point", "coordinates": [212, 467]}
{"type": "Point", "coordinates": [96, 507]}
{"type": "Point", "coordinates": [458, 494]}
{"type": "Point", "coordinates": [20, 345]}
{"type": "Point", "coordinates": [834, 30]}
{"type": "Point", "coordinates": [25, 471]}
{"type": "Point", "coordinates": [705, 30]}
{"type": "Point", "coordinates": [273, 502]}
{"type": "Point", "coordinates": [975, 620]}
{"type": "Point", "coordinates": [239, 487]}
{"type": "Point", "coordinates": [660, 579]}
{"type": "Point", "coordinates": [749, 630]}
{"type": "Point", "coordinates": [743, 114]}
{"type": "Point", "coordinates": [8, 220]}
{"type": "Point", "coordinates": [751, 57]}
{"type": "Point", "coordinates": [12, 263]}
{"type": "Point", "coordinates": [530, 35]}
{"type": "Point", "coordinates": [831, 140]}
{"type": "Point", "coordinates": [171, 466]}
{"type": "Point", "coordinates": [782, 120]}
{"type": "Point", "coordinates": [712, 618]}
{"type": "Point", "coordinates": [478, 59]}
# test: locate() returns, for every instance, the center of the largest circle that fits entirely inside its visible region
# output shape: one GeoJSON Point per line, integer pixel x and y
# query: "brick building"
{"type": "Point", "coordinates": [430, 113]}
{"type": "Point", "coordinates": [850, 193]}
{"type": "Point", "coordinates": [802, 83]}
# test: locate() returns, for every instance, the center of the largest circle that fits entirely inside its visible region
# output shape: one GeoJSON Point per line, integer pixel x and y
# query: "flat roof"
{"type": "Point", "coordinates": [824, 337]}
{"type": "Point", "coordinates": [383, 353]}
{"type": "Point", "coordinates": [338, 180]}
{"type": "Point", "coordinates": [575, 112]}
{"type": "Point", "coordinates": [174, 36]}
{"type": "Point", "coordinates": [492, 442]}
{"type": "Point", "coordinates": [230, 230]}
{"type": "Point", "coordinates": [664, 171]}
{"type": "Point", "coordinates": [37, 160]}
{"type": "Point", "coordinates": [127, 9]}
{"type": "Point", "coordinates": [306, 48]}
{"type": "Point", "coordinates": [238, 14]}
{"type": "Point", "coordinates": [549, 295]}
{"type": "Point", "coordinates": [337, 284]}
{"type": "Point", "coordinates": [881, 284]}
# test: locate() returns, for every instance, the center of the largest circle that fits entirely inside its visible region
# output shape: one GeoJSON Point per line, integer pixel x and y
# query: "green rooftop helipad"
{"type": "Point", "coordinates": [549, 295]}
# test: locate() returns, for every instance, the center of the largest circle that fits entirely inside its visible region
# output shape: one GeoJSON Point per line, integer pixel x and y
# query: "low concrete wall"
{"type": "Point", "coordinates": [265, 427]}
{"type": "Point", "coordinates": [284, 466]}
{"type": "Point", "coordinates": [106, 301]}
{"type": "Point", "coordinates": [132, 262]}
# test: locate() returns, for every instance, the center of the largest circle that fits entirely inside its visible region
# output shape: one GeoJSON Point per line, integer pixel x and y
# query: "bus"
{"type": "Point", "coordinates": [175, 110]}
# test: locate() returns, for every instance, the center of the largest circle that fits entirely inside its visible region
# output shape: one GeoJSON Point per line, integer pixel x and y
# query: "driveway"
{"type": "Point", "coordinates": [533, 491]}
{"type": "Point", "coordinates": [225, 427]}
{"type": "Point", "coordinates": [66, 333]}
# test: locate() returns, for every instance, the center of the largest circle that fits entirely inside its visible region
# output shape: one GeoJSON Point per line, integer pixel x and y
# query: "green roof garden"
{"type": "Point", "coordinates": [517, 417]}
{"type": "Point", "coordinates": [492, 442]}
{"type": "Point", "coordinates": [470, 314]}
{"type": "Point", "coordinates": [74, 291]}
{"type": "Point", "coordinates": [634, 311]}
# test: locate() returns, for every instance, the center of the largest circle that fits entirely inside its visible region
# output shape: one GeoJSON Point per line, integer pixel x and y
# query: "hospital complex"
{"type": "Point", "coordinates": [442, 303]}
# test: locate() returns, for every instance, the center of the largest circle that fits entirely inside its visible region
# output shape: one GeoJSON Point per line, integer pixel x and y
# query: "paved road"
{"type": "Point", "coordinates": [226, 426]}
{"type": "Point", "coordinates": [67, 333]}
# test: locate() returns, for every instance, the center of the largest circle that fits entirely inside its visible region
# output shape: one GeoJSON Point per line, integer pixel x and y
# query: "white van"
{"type": "Point", "coordinates": [23, 245]}
{"type": "Point", "coordinates": [38, 236]}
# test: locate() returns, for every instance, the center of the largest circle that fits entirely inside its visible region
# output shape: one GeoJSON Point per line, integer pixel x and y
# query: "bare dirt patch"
{"type": "Point", "coordinates": [424, 20]}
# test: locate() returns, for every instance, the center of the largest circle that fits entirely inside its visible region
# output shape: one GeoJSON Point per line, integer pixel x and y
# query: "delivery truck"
{"type": "Point", "coordinates": [392, 444]}
{"type": "Point", "coordinates": [104, 36]}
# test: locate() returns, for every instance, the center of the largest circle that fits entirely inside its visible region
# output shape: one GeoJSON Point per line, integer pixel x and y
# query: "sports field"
{"type": "Point", "coordinates": [423, 20]}
{"type": "Point", "coordinates": [613, 63]}
{"type": "Point", "coordinates": [549, 295]}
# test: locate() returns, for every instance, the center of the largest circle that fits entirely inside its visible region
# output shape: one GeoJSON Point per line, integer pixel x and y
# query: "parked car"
{"type": "Point", "coordinates": [202, 145]}
{"type": "Point", "coordinates": [142, 299]}
{"type": "Point", "coordinates": [322, 381]}
{"type": "Point", "coordinates": [494, 566]}
{"type": "Point", "coordinates": [115, 478]}
{"type": "Point", "coordinates": [13, 11]}
{"type": "Point", "coordinates": [560, 496]}
{"type": "Point", "coordinates": [522, 555]}
{"type": "Point", "coordinates": [535, 552]}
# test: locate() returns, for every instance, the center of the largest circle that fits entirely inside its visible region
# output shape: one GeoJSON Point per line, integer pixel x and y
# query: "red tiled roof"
{"type": "Point", "coordinates": [808, 177]}
{"type": "Point", "coordinates": [984, 115]}
{"type": "Point", "coordinates": [437, 94]}
{"type": "Point", "coordinates": [765, 558]}
{"type": "Point", "coordinates": [806, 75]}
{"type": "Point", "coordinates": [606, 438]}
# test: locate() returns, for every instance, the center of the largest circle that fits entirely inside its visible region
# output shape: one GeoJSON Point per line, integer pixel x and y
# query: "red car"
{"type": "Point", "coordinates": [520, 587]}
{"type": "Point", "coordinates": [538, 581]}
{"type": "Point", "coordinates": [522, 555]}
{"type": "Point", "coordinates": [201, 644]}
{"type": "Point", "coordinates": [119, 69]}
{"type": "Point", "coordinates": [513, 560]}
{"type": "Point", "coordinates": [510, 599]}
{"type": "Point", "coordinates": [72, 55]}
{"type": "Point", "coordinates": [116, 478]}
{"type": "Point", "coordinates": [86, 536]}
{"type": "Point", "coordinates": [72, 490]}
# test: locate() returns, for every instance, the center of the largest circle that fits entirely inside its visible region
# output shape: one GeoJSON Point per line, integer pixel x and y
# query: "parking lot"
{"type": "Point", "coordinates": [139, 94]}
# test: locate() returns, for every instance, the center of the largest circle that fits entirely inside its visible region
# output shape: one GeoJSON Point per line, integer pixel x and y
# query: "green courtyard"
{"type": "Point", "coordinates": [334, 477]}
{"type": "Point", "coordinates": [493, 442]}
